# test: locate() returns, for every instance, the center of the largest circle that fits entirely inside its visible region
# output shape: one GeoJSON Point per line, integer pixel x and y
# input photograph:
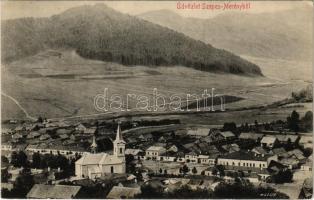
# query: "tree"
{"type": "Point", "coordinates": [4, 175]}
{"type": "Point", "coordinates": [307, 121]}
{"type": "Point", "coordinates": [23, 183]}
{"type": "Point", "coordinates": [187, 193]}
{"type": "Point", "coordinates": [184, 169]}
{"type": "Point", "coordinates": [293, 121]}
{"type": "Point", "coordinates": [230, 126]}
{"type": "Point", "coordinates": [194, 170]}
{"type": "Point", "coordinates": [36, 160]}
{"type": "Point", "coordinates": [282, 177]}
{"type": "Point", "coordinates": [19, 159]}
{"type": "Point", "coordinates": [150, 192]}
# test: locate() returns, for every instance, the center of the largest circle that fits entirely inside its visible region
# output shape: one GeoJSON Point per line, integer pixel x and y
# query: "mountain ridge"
{"type": "Point", "coordinates": [285, 34]}
{"type": "Point", "coordinates": [95, 31]}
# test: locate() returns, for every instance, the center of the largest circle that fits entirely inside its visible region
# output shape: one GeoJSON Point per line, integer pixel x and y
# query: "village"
{"type": "Point", "coordinates": [136, 159]}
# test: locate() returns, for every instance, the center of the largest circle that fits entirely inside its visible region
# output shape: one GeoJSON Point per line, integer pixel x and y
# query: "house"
{"type": "Point", "coordinates": [168, 156]}
{"type": "Point", "coordinates": [162, 139]}
{"type": "Point", "coordinates": [251, 136]}
{"type": "Point", "coordinates": [230, 148]}
{"type": "Point", "coordinates": [81, 128]}
{"type": "Point", "coordinates": [307, 166]}
{"type": "Point", "coordinates": [227, 135]}
{"type": "Point", "coordinates": [146, 137]}
{"type": "Point", "coordinates": [260, 151]}
{"type": "Point", "coordinates": [291, 162]}
{"type": "Point", "coordinates": [120, 192]}
{"type": "Point", "coordinates": [95, 165]}
{"type": "Point", "coordinates": [33, 134]}
{"type": "Point", "coordinates": [191, 157]}
{"type": "Point", "coordinates": [64, 131]}
{"type": "Point", "coordinates": [307, 189]}
{"type": "Point", "coordinates": [279, 151]}
{"type": "Point", "coordinates": [173, 148]}
{"type": "Point", "coordinates": [269, 142]}
{"type": "Point", "coordinates": [154, 151]}
{"type": "Point", "coordinates": [64, 136]}
{"type": "Point", "coordinates": [286, 139]}
{"type": "Point", "coordinates": [6, 131]}
{"type": "Point", "coordinates": [205, 159]}
{"type": "Point", "coordinates": [198, 133]}
{"type": "Point", "coordinates": [41, 191]}
{"type": "Point", "coordinates": [17, 136]}
{"type": "Point", "coordinates": [44, 137]}
{"type": "Point", "coordinates": [246, 159]}
{"type": "Point", "coordinates": [19, 128]}
{"type": "Point", "coordinates": [8, 186]}
{"type": "Point", "coordinates": [90, 131]}
{"type": "Point", "coordinates": [133, 152]}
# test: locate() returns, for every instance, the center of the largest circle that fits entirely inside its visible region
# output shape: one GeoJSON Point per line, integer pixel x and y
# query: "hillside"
{"type": "Point", "coordinates": [284, 35]}
{"type": "Point", "coordinates": [99, 32]}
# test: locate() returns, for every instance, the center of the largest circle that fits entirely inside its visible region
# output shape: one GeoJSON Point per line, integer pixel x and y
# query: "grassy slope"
{"type": "Point", "coordinates": [27, 81]}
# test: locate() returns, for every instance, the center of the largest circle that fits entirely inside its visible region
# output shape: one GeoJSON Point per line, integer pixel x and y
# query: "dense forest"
{"type": "Point", "coordinates": [99, 32]}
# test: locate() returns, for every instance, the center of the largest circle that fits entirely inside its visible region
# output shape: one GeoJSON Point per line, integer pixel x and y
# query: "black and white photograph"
{"type": "Point", "coordinates": [156, 99]}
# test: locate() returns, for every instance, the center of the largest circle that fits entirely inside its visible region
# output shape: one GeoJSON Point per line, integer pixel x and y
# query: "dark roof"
{"type": "Point", "coordinates": [40, 191]}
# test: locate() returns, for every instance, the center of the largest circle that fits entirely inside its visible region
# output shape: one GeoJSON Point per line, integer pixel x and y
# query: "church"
{"type": "Point", "coordinates": [93, 165]}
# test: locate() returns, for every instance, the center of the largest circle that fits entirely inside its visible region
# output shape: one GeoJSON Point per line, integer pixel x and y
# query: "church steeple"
{"type": "Point", "coordinates": [119, 134]}
{"type": "Point", "coordinates": [119, 144]}
{"type": "Point", "coordinates": [93, 146]}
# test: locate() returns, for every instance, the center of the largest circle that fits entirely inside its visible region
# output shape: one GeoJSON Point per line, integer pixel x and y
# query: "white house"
{"type": "Point", "coordinates": [246, 159]}
{"type": "Point", "coordinates": [191, 157]}
{"type": "Point", "coordinates": [94, 165]}
{"type": "Point", "coordinates": [154, 152]}
{"type": "Point", "coordinates": [269, 141]}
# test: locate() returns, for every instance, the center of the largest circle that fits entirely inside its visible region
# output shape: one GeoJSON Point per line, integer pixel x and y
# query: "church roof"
{"type": "Point", "coordinates": [91, 159]}
{"type": "Point", "coordinates": [98, 159]}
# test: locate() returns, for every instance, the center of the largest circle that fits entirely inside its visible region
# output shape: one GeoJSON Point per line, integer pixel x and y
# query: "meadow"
{"type": "Point", "coordinates": [59, 83]}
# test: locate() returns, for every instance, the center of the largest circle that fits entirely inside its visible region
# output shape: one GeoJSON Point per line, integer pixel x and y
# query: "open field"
{"type": "Point", "coordinates": [62, 85]}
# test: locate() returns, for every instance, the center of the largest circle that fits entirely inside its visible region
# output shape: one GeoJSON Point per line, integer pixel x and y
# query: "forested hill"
{"type": "Point", "coordinates": [99, 32]}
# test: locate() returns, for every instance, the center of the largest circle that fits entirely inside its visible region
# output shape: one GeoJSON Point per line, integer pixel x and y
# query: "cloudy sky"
{"type": "Point", "coordinates": [18, 9]}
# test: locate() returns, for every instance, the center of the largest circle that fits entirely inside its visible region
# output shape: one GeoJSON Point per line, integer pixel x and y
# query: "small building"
{"type": "Point", "coordinates": [173, 148]}
{"type": "Point", "coordinates": [246, 159]}
{"type": "Point", "coordinates": [191, 157]}
{"type": "Point", "coordinates": [206, 159]}
{"type": "Point", "coordinates": [154, 152]}
{"type": "Point", "coordinates": [44, 137]}
{"type": "Point", "coordinates": [198, 133]}
{"type": "Point", "coordinates": [41, 191]}
{"type": "Point", "coordinates": [269, 142]}
{"type": "Point", "coordinates": [251, 136]}
{"type": "Point", "coordinates": [120, 192]}
{"type": "Point", "coordinates": [227, 135]}
{"type": "Point", "coordinates": [33, 134]}
{"type": "Point", "coordinates": [133, 152]}
{"type": "Point", "coordinates": [307, 166]}
{"type": "Point", "coordinates": [90, 131]}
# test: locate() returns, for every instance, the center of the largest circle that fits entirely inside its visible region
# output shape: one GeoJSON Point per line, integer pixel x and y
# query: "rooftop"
{"type": "Point", "coordinates": [40, 191]}
{"type": "Point", "coordinates": [241, 155]}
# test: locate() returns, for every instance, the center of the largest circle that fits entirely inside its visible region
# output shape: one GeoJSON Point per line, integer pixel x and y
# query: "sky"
{"type": "Point", "coordinates": [19, 9]}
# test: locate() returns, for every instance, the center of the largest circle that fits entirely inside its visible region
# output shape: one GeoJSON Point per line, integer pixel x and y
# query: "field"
{"type": "Point", "coordinates": [57, 84]}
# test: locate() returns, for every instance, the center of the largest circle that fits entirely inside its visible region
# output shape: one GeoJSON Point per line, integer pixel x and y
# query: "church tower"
{"type": "Point", "coordinates": [93, 147]}
{"type": "Point", "coordinates": [119, 144]}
